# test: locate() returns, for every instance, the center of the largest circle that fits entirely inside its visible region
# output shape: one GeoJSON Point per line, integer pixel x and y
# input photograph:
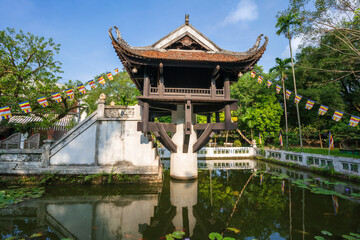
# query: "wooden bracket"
{"type": "Point", "coordinates": [164, 138]}
{"type": "Point", "coordinates": [204, 138]}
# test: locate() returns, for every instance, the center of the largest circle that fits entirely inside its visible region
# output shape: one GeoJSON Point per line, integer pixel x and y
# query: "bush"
{"type": "Point", "coordinates": [237, 143]}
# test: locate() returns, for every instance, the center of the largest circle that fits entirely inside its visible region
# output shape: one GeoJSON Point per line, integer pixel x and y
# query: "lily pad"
{"type": "Point", "coordinates": [349, 237]}
{"type": "Point", "coordinates": [215, 235]}
{"type": "Point", "coordinates": [355, 235]}
{"type": "Point", "coordinates": [326, 233]}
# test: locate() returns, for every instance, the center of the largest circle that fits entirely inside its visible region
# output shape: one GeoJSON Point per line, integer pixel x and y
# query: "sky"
{"type": "Point", "coordinates": [81, 27]}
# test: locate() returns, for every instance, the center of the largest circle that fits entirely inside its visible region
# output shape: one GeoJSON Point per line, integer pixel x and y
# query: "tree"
{"type": "Point", "coordinates": [338, 18]}
{"type": "Point", "coordinates": [284, 23]}
{"type": "Point", "coordinates": [342, 94]}
{"type": "Point", "coordinates": [258, 107]}
{"type": "Point", "coordinates": [120, 90]}
{"type": "Point", "coordinates": [280, 70]}
{"type": "Point", "coordinates": [28, 70]}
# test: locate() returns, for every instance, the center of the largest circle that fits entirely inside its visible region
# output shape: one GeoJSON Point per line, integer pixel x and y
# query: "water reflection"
{"type": "Point", "coordinates": [183, 196]}
{"type": "Point", "coordinates": [268, 208]}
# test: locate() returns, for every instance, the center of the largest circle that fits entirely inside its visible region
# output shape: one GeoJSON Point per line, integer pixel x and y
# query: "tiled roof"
{"type": "Point", "coordinates": [62, 125]}
{"type": "Point", "coordinates": [125, 52]}
{"type": "Point", "coordinates": [188, 55]}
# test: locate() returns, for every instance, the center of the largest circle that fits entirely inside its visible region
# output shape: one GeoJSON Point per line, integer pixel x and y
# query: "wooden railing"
{"type": "Point", "coordinates": [188, 90]}
{"type": "Point", "coordinates": [220, 92]}
{"type": "Point", "coordinates": [154, 90]}
{"type": "Point", "coordinates": [181, 91]}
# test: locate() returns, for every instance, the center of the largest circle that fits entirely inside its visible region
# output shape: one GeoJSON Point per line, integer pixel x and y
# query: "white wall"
{"type": "Point", "coordinates": [79, 151]}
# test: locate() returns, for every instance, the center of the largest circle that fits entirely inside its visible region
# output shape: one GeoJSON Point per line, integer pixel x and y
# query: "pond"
{"type": "Point", "coordinates": [243, 199]}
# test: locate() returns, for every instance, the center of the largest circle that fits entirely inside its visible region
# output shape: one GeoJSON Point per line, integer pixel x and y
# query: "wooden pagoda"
{"type": "Point", "coordinates": [185, 69]}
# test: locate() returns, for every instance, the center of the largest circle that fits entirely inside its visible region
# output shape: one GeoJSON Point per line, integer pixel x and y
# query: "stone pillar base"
{"type": "Point", "coordinates": [183, 166]}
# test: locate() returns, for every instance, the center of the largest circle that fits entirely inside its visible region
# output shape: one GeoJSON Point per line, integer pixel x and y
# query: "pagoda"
{"type": "Point", "coordinates": [181, 75]}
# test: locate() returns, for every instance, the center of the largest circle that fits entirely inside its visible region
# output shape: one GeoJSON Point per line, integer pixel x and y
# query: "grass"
{"type": "Point", "coordinates": [325, 151]}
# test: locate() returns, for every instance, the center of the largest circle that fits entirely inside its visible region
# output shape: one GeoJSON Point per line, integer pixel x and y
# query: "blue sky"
{"type": "Point", "coordinates": [81, 26]}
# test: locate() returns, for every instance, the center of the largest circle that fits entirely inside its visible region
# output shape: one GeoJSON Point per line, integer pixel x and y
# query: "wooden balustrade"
{"type": "Point", "coordinates": [182, 91]}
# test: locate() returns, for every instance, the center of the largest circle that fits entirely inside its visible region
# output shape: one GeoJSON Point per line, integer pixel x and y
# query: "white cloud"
{"type": "Point", "coordinates": [295, 43]}
{"type": "Point", "coordinates": [246, 10]}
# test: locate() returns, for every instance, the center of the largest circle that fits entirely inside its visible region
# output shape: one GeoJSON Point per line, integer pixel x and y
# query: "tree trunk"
{"type": "Point", "coordinates": [320, 140]}
{"type": "Point", "coordinates": [251, 134]}
{"type": "Point", "coordinates": [297, 105]}
{"type": "Point", "coordinates": [285, 110]}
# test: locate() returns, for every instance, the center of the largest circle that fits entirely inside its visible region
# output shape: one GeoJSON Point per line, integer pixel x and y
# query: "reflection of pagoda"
{"type": "Point", "coordinates": [183, 74]}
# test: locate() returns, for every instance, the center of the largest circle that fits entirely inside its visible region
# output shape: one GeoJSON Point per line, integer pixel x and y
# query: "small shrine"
{"type": "Point", "coordinates": [182, 75]}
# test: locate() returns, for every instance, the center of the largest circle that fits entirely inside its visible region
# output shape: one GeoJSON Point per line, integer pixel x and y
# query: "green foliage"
{"type": "Point", "coordinates": [258, 106]}
{"type": "Point", "coordinates": [215, 235]}
{"type": "Point", "coordinates": [237, 143]}
{"type": "Point", "coordinates": [286, 21]}
{"type": "Point", "coordinates": [47, 177]}
{"type": "Point", "coordinates": [175, 235]}
{"type": "Point", "coordinates": [120, 90]}
{"type": "Point", "coordinates": [28, 70]}
{"type": "Point", "coordinates": [326, 233]}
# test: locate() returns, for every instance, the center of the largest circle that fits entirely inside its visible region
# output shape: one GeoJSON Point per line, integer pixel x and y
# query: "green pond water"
{"type": "Point", "coordinates": [276, 203]}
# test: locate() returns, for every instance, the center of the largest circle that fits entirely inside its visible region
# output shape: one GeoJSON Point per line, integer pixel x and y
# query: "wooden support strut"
{"type": "Point", "coordinates": [204, 138]}
{"type": "Point", "coordinates": [164, 138]}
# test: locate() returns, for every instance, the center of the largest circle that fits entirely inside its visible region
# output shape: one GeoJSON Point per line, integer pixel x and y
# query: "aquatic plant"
{"type": "Point", "coordinates": [351, 236]}
{"type": "Point", "coordinates": [15, 194]}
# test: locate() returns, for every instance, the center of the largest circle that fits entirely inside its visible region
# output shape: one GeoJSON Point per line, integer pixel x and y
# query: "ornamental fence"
{"type": "Point", "coordinates": [345, 165]}
{"type": "Point", "coordinates": [216, 152]}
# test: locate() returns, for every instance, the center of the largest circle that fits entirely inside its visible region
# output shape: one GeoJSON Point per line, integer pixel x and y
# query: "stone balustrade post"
{"type": "Point", "coordinates": [45, 156]}
{"type": "Point", "coordinates": [101, 106]}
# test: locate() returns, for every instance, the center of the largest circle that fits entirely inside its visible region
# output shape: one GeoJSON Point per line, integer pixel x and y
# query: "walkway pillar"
{"type": "Point", "coordinates": [183, 165]}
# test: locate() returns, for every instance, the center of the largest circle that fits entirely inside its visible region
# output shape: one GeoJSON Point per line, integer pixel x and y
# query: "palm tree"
{"type": "Point", "coordinates": [284, 23]}
{"type": "Point", "coordinates": [280, 68]}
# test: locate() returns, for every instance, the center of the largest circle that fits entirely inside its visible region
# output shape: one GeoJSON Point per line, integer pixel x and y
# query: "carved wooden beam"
{"type": "Point", "coordinates": [204, 138]}
{"type": "Point", "coordinates": [217, 126]}
{"type": "Point", "coordinates": [152, 127]}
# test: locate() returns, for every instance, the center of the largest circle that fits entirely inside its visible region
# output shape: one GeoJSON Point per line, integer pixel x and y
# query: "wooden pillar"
{"type": "Point", "coordinates": [213, 82]}
{"type": "Point", "coordinates": [161, 80]}
{"type": "Point", "coordinates": [146, 86]}
{"type": "Point", "coordinates": [188, 117]}
{"type": "Point", "coordinates": [217, 117]}
{"type": "Point", "coordinates": [208, 118]}
{"type": "Point", "coordinates": [227, 106]}
{"type": "Point", "coordinates": [145, 115]}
